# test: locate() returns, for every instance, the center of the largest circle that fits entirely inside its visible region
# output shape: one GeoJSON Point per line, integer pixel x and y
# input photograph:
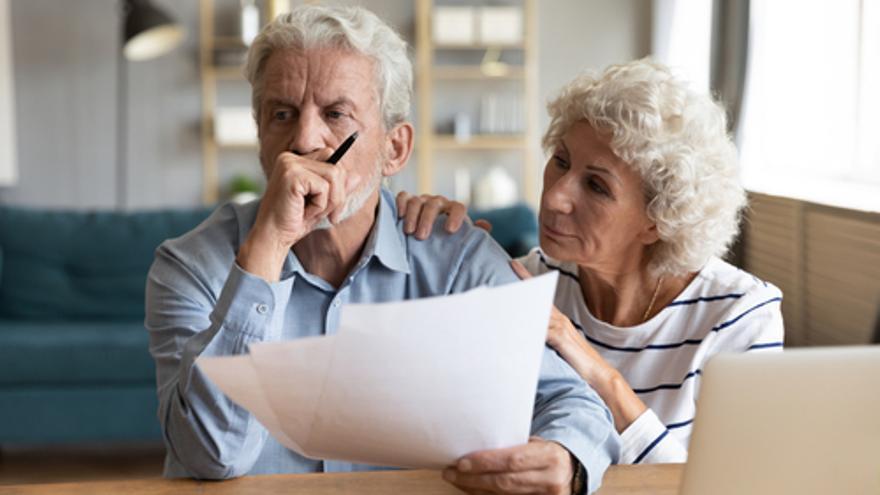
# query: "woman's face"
{"type": "Point", "coordinates": [593, 205]}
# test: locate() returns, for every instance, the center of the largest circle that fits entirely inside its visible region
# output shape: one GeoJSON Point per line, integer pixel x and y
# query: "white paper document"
{"type": "Point", "coordinates": [414, 383]}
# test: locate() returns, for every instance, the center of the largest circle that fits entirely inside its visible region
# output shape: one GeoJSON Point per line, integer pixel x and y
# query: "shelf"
{"type": "Point", "coordinates": [229, 42]}
{"type": "Point", "coordinates": [226, 72]}
{"type": "Point", "coordinates": [474, 72]}
{"type": "Point", "coordinates": [480, 142]}
{"type": "Point", "coordinates": [237, 146]}
{"type": "Point", "coordinates": [478, 46]}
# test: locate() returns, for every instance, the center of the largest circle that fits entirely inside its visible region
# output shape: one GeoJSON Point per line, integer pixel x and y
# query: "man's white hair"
{"type": "Point", "coordinates": [677, 140]}
{"type": "Point", "coordinates": [349, 28]}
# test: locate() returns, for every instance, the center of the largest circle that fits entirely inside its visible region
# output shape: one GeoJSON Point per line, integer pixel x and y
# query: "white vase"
{"type": "Point", "coordinates": [496, 189]}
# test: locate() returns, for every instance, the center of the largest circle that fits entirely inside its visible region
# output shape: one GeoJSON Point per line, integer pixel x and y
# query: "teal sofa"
{"type": "Point", "coordinates": [514, 227]}
{"type": "Point", "coordinates": [74, 359]}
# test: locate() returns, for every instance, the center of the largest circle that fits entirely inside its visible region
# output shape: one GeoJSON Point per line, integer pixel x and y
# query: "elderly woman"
{"type": "Point", "coordinates": [640, 200]}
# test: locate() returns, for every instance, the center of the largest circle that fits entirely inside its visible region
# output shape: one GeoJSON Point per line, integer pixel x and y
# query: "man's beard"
{"type": "Point", "coordinates": [357, 199]}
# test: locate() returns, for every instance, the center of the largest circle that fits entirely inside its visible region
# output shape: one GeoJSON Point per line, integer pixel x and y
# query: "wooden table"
{"type": "Point", "coordinates": [657, 479]}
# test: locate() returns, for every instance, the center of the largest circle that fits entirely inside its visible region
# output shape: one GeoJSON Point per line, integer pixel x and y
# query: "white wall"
{"type": "Point", "coordinates": [8, 165]}
{"type": "Point", "coordinates": [66, 55]}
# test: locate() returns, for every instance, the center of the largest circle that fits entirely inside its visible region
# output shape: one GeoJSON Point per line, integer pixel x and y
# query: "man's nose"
{"type": "Point", "coordinates": [307, 135]}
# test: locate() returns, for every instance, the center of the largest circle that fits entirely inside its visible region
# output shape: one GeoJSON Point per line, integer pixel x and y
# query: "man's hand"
{"type": "Point", "coordinates": [540, 466]}
{"type": "Point", "coordinates": [300, 192]}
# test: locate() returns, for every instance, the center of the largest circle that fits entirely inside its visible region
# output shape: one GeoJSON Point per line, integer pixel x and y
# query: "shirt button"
{"type": "Point", "coordinates": [262, 309]}
{"type": "Point", "coordinates": [336, 303]}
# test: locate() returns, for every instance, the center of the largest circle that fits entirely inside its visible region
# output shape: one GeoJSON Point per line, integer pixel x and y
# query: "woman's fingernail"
{"type": "Point", "coordinates": [464, 465]}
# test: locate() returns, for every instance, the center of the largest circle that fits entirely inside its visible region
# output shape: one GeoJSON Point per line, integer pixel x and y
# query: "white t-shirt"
{"type": "Point", "coordinates": [724, 309]}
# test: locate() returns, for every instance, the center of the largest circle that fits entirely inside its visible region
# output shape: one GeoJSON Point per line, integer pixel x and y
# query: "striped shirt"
{"type": "Point", "coordinates": [724, 309]}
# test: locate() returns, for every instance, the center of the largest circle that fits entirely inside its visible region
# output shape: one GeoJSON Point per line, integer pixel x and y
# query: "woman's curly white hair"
{"type": "Point", "coordinates": [677, 140]}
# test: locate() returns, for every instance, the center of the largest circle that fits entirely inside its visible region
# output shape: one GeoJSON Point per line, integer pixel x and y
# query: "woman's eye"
{"type": "Point", "coordinates": [335, 114]}
{"type": "Point", "coordinates": [597, 187]}
{"type": "Point", "coordinates": [560, 162]}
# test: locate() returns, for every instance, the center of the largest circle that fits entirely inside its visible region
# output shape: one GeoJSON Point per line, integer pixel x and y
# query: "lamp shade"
{"type": "Point", "coordinates": [149, 32]}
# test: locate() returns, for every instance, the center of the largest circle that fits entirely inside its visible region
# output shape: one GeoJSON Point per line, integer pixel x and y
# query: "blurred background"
{"type": "Point", "coordinates": [127, 121]}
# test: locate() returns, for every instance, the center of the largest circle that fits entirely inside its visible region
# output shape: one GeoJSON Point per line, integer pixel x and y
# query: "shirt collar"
{"type": "Point", "coordinates": [385, 241]}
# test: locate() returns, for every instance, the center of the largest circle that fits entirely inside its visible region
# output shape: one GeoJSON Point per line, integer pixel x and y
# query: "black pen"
{"type": "Point", "coordinates": [337, 155]}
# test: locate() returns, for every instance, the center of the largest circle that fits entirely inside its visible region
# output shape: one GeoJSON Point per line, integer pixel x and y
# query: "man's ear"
{"type": "Point", "coordinates": [398, 147]}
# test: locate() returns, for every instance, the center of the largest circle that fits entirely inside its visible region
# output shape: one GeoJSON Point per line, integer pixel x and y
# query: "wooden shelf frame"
{"type": "Point", "coordinates": [481, 142]}
{"type": "Point", "coordinates": [453, 72]}
{"type": "Point", "coordinates": [479, 46]}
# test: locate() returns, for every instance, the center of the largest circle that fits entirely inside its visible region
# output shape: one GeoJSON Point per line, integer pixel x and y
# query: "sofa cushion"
{"type": "Point", "coordinates": [99, 352]}
{"type": "Point", "coordinates": [63, 265]}
{"type": "Point", "coordinates": [515, 227]}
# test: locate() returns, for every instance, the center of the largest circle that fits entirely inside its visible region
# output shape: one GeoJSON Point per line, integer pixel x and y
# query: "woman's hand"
{"type": "Point", "coordinates": [562, 336]}
{"type": "Point", "coordinates": [420, 212]}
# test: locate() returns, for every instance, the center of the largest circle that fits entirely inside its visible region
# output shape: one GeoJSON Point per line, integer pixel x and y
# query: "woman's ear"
{"type": "Point", "coordinates": [398, 147]}
{"type": "Point", "coordinates": [649, 234]}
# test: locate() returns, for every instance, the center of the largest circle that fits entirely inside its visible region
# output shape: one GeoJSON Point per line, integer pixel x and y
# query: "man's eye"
{"type": "Point", "coordinates": [282, 115]}
{"type": "Point", "coordinates": [334, 114]}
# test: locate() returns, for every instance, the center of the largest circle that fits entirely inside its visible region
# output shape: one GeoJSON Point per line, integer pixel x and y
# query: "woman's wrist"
{"type": "Point", "coordinates": [625, 405]}
{"type": "Point", "coordinates": [563, 344]}
{"type": "Point", "coordinates": [607, 383]}
{"type": "Point", "coordinates": [611, 386]}
{"type": "Point", "coordinates": [575, 349]}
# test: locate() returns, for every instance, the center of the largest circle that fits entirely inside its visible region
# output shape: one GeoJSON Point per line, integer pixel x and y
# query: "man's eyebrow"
{"type": "Point", "coordinates": [275, 101]}
{"type": "Point", "coordinates": [341, 101]}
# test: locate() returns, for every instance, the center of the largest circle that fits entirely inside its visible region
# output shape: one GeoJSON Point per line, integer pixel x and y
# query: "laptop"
{"type": "Point", "coordinates": [805, 421]}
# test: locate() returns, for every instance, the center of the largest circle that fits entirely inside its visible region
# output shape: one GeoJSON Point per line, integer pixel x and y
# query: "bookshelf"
{"type": "Point", "coordinates": [437, 77]}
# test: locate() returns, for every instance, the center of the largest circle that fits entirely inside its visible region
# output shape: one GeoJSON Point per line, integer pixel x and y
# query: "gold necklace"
{"type": "Point", "coordinates": [653, 300]}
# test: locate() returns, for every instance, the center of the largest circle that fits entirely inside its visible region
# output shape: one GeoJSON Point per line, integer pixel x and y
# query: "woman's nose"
{"type": "Point", "coordinates": [558, 195]}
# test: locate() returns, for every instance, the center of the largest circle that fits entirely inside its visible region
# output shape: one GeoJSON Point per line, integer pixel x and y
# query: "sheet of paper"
{"type": "Point", "coordinates": [412, 384]}
{"type": "Point", "coordinates": [293, 375]}
{"type": "Point", "coordinates": [241, 384]}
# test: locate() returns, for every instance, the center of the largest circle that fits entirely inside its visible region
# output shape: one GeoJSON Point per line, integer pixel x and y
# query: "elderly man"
{"type": "Point", "coordinates": [324, 235]}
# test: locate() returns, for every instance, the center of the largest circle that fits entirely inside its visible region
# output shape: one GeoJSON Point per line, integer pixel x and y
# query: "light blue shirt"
{"type": "Point", "coordinates": [201, 303]}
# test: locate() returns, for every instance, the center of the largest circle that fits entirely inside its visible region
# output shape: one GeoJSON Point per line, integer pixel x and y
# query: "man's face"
{"type": "Point", "coordinates": [312, 101]}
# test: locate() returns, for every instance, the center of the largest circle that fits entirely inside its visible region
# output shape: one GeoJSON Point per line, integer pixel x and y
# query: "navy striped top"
{"type": "Point", "coordinates": [724, 309]}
